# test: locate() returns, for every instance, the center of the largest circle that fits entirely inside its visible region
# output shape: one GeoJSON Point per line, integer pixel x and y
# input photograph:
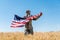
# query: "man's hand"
{"type": "Point", "coordinates": [40, 14]}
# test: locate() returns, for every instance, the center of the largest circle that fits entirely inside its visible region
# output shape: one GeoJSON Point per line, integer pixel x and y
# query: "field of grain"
{"type": "Point", "coordinates": [36, 36]}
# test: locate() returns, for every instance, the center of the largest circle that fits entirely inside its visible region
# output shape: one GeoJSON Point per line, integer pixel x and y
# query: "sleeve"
{"type": "Point", "coordinates": [38, 16]}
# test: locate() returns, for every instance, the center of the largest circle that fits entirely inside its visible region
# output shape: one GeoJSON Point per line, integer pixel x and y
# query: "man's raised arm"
{"type": "Point", "coordinates": [39, 15]}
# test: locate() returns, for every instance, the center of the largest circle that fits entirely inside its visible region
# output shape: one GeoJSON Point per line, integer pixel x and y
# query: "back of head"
{"type": "Point", "coordinates": [28, 12]}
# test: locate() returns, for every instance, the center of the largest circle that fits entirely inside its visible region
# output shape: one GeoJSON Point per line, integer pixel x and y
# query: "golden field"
{"type": "Point", "coordinates": [36, 36]}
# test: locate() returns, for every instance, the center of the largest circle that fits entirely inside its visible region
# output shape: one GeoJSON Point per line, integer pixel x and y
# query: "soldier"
{"type": "Point", "coordinates": [28, 26]}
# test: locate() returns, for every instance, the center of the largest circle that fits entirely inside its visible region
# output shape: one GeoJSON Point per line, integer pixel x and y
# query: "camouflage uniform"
{"type": "Point", "coordinates": [29, 27]}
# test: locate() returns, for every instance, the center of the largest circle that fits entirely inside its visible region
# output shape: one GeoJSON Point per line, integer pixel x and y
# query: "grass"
{"type": "Point", "coordinates": [36, 36]}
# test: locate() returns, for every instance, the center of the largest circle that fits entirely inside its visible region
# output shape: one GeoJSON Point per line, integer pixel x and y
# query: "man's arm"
{"type": "Point", "coordinates": [38, 16]}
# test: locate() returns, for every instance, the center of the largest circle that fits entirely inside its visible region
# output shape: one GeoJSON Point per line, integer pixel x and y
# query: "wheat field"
{"type": "Point", "coordinates": [36, 36]}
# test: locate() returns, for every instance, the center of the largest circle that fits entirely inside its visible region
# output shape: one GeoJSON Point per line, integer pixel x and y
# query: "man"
{"type": "Point", "coordinates": [28, 26]}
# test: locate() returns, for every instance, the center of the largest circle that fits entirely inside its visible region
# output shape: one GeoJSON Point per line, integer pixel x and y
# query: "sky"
{"type": "Point", "coordinates": [49, 21]}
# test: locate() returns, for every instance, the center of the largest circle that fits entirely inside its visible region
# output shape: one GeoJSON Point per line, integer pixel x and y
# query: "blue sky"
{"type": "Point", "coordinates": [50, 20]}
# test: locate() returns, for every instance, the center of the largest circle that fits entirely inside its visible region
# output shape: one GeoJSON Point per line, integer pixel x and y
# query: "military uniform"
{"type": "Point", "coordinates": [29, 27]}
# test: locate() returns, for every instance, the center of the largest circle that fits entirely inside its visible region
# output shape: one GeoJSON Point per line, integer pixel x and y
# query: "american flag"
{"type": "Point", "coordinates": [21, 23]}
